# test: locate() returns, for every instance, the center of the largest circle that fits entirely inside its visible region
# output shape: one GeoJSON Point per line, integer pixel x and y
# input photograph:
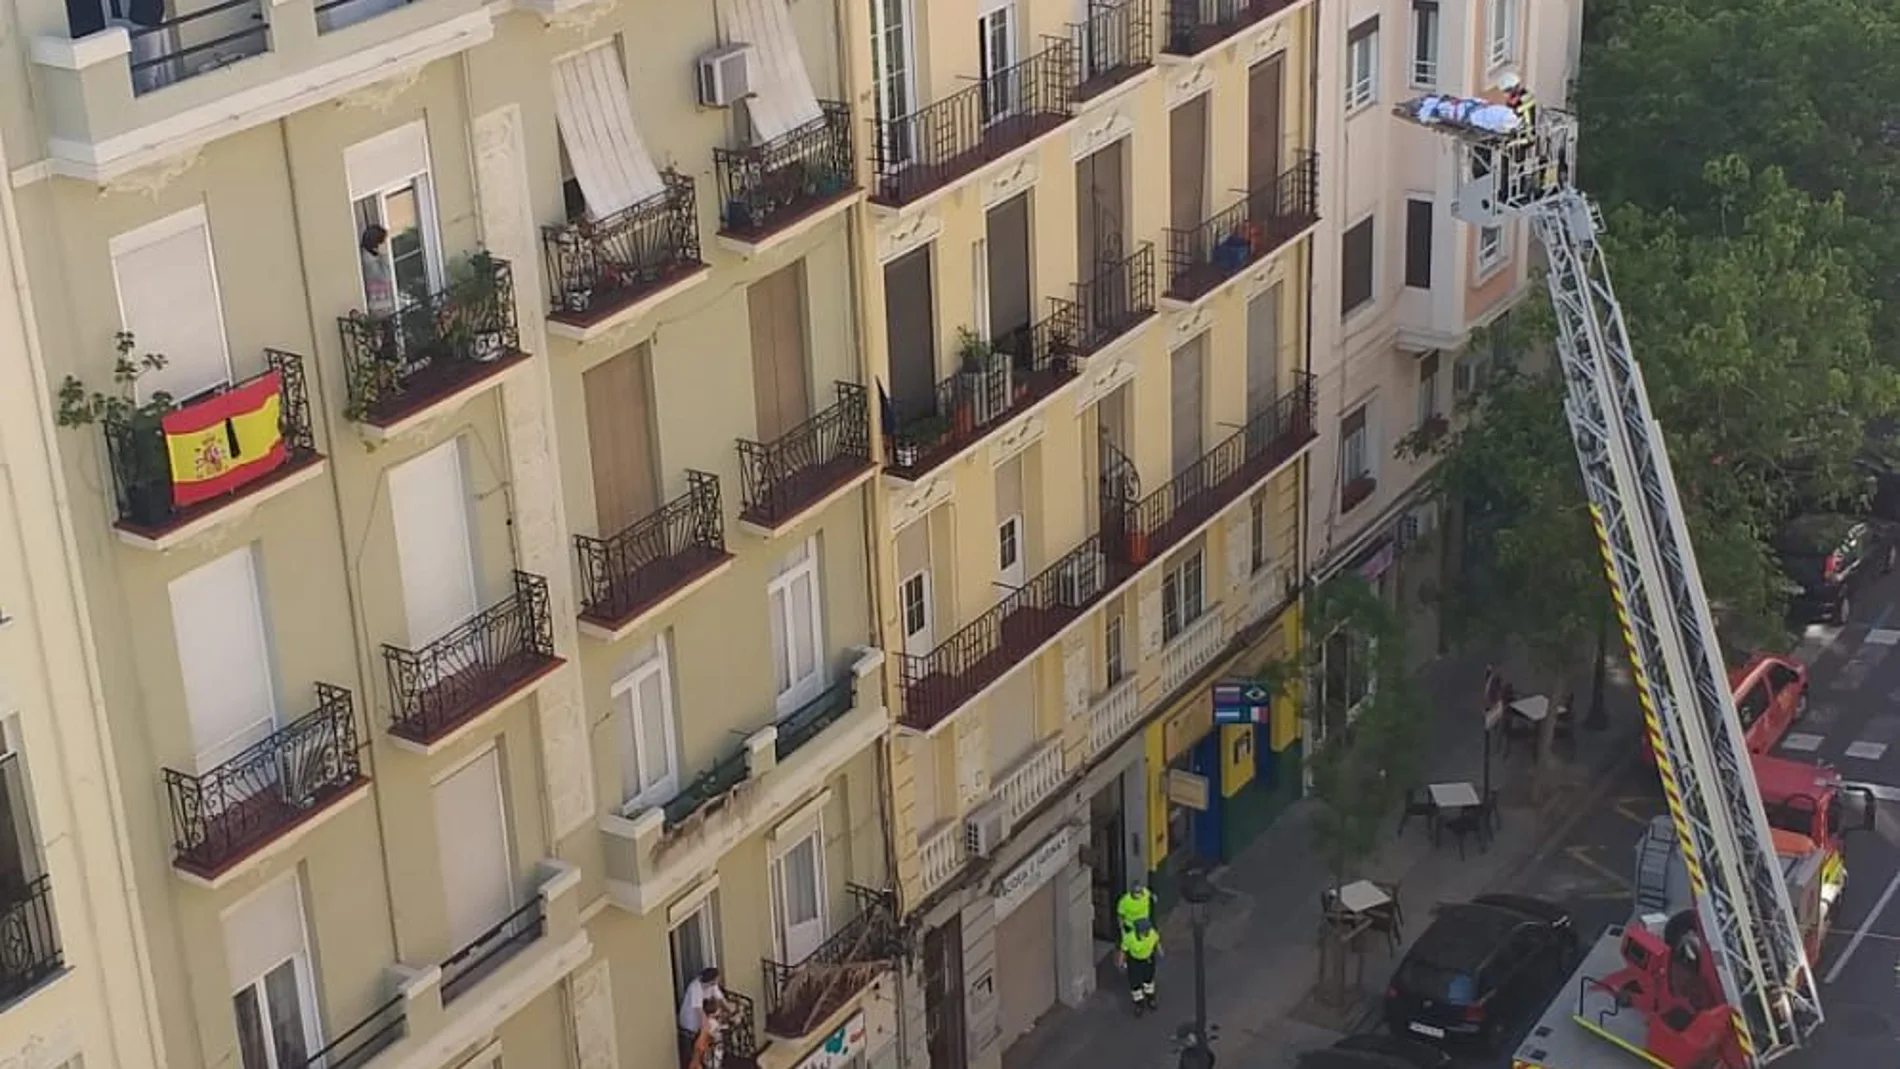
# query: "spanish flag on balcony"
{"type": "Point", "coordinates": [220, 443]}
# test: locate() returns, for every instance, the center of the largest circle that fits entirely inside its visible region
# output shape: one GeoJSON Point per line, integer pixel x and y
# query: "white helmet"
{"type": "Point", "coordinates": [1510, 81]}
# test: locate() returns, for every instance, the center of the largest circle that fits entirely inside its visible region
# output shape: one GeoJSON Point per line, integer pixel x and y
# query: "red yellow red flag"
{"type": "Point", "coordinates": [221, 443]}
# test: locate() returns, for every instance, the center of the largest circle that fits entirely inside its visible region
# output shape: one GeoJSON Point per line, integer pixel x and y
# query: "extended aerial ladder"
{"type": "Point", "coordinates": [1741, 898]}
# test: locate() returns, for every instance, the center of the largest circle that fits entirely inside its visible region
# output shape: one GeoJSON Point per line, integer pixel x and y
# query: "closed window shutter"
{"type": "Point", "coordinates": [263, 931]}
{"type": "Point", "coordinates": [429, 499]}
{"type": "Point", "coordinates": [1185, 407]}
{"type": "Point", "coordinates": [620, 437]}
{"type": "Point", "coordinates": [1187, 147]}
{"type": "Point", "coordinates": [168, 298]}
{"type": "Point", "coordinates": [595, 116]}
{"type": "Point", "coordinates": [1355, 263]}
{"type": "Point", "coordinates": [1263, 348]}
{"type": "Point", "coordinates": [472, 839]}
{"type": "Point", "coordinates": [782, 98]}
{"type": "Point", "coordinates": [1264, 84]}
{"type": "Point", "coordinates": [218, 624]}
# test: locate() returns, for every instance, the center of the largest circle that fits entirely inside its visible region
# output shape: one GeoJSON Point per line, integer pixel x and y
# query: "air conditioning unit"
{"type": "Point", "coordinates": [725, 75]}
{"type": "Point", "coordinates": [1080, 579]}
{"type": "Point", "coordinates": [983, 830]}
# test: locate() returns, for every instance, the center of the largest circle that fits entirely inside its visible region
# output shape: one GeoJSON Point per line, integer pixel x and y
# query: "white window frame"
{"type": "Point", "coordinates": [1009, 553]}
{"type": "Point", "coordinates": [784, 843]}
{"type": "Point", "coordinates": [914, 599]}
{"type": "Point", "coordinates": [1258, 535]}
{"type": "Point", "coordinates": [306, 986]}
{"type": "Point", "coordinates": [885, 87]}
{"type": "Point", "coordinates": [703, 913]}
{"type": "Point", "coordinates": [428, 223]}
{"type": "Point", "coordinates": [1355, 449]}
{"type": "Point", "coordinates": [1490, 249]}
{"type": "Point", "coordinates": [1427, 38]}
{"type": "Point", "coordinates": [1501, 32]}
{"type": "Point", "coordinates": [1183, 595]}
{"type": "Point", "coordinates": [999, 38]}
{"type": "Point", "coordinates": [633, 757]}
{"type": "Point", "coordinates": [1362, 72]}
{"type": "Point", "coordinates": [800, 691]}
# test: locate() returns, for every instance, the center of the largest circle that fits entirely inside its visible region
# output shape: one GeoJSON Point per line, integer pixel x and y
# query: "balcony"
{"type": "Point", "coordinates": [627, 576]}
{"type": "Point", "coordinates": [1115, 43]}
{"type": "Point", "coordinates": [652, 853]}
{"type": "Point", "coordinates": [487, 952]}
{"type": "Point", "coordinates": [741, 1034]}
{"type": "Point", "coordinates": [436, 348]}
{"type": "Point", "coordinates": [1153, 524]}
{"type": "Point", "coordinates": [1191, 650]}
{"type": "Point", "coordinates": [1031, 780]}
{"type": "Point", "coordinates": [798, 997]}
{"type": "Point", "coordinates": [269, 790]}
{"type": "Point", "coordinates": [1194, 26]}
{"type": "Point", "coordinates": [382, 1028]}
{"type": "Point", "coordinates": [1113, 716]}
{"type": "Point", "coordinates": [929, 149]}
{"type": "Point", "coordinates": [487, 659]}
{"type": "Point", "coordinates": [604, 270]}
{"type": "Point", "coordinates": [1118, 299]}
{"type": "Point", "coordinates": [940, 682]}
{"type": "Point", "coordinates": [30, 938]}
{"type": "Point", "coordinates": [942, 854]}
{"type": "Point", "coordinates": [766, 190]}
{"type": "Point", "coordinates": [808, 464]}
{"type": "Point", "coordinates": [996, 383]}
{"type": "Point", "coordinates": [1221, 247]}
{"type": "Point", "coordinates": [177, 475]}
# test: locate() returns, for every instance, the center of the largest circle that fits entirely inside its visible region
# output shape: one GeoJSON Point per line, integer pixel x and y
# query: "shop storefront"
{"type": "Point", "coordinates": [1026, 935]}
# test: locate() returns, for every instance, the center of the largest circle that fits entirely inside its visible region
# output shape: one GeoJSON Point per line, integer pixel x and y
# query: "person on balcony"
{"type": "Point", "coordinates": [709, 1043]}
{"type": "Point", "coordinates": [702, 991]}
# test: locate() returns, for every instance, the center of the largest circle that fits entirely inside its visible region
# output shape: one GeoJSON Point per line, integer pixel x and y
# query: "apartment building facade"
{"type": "Point", "coordinates": [1403, 287]}
{"type": "Point", "coordinates": [479, 580]}
{"type": "Point", "coordinates": [1089, 253]}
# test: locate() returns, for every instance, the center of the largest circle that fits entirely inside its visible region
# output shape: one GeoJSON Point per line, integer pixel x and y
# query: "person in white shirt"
{"type": "Point", "coordinates": [699, 990]}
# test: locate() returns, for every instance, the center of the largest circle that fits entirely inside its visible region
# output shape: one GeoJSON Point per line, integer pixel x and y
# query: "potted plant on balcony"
{"type": "Point", "coordinates": [143, 466]}
{"type": "Point", "coordinates": [978, 381]}
{"type": "Point", "coordinates": [1433, 428]}
{"type": "Point", "coordinates": [919, 435]}
{"type": "Point", "coordinates": [473, 309]}
{"type": "Point", "coordinates": [1356, 490]}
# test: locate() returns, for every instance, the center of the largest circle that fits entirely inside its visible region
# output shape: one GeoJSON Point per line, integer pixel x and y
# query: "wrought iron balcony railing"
{"type": "Point", "coordinates": [810, 720]}
{"type": "Point", "coordinates": [799, 996]}
{"type": "Point", "coordinates": [936, 145]}
{"type": "Point", "coordinates": [434, 344]}
{"type": "Point", "coordinates": [628, 573]}
{"type": "Point", "coordinates": [596, 267]}
{"type": "Point", "coordinates": [740, 1037]}
{"type": "Point", "coordinates": [1117, 299]}
{"type": "Point", "coordinates": [783, 477]}
{"type": "Point", "coordinates": [223, 815]}
{"type": "Point", "coordinates": [465, 968]}
{"type": "Point", "coordinates": [481, 661]}
{"type": "Point", "coordinates": [938, 683]}
{"type": "Point", "coordinates": [1194, 26]}
{"type": "Point", "coordinates": [717, 781]}
{"type": "Point", "coordinates": [992, 387]}
{"type": "Point", "coordinates": [769, 186]}
{"type": "Point", "coordinates": [234, 447]}
{"type": "Point", "coordinates": [29, 936]}
{"type": "Point", "coordinates": [187, 43]}
{"type": "Point", "coordinates": [1153, 524]}
{"type": "Point", "coordinates": [384, 1027]}
{"type": "Point", "coordinates": [1115, 43]}
{"type": "Point", "coordinates": [1226, 244]}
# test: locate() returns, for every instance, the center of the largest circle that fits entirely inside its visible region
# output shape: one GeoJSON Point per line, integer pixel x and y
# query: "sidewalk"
{"type": "Point", "coordinates": [1262, 953]}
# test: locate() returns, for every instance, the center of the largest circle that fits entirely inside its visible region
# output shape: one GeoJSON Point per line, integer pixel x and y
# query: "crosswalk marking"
{"type": "Point", "coordinates": [1867, 751]}
{"type": "Point", "coordinates": [1802, 742]}
{"type": "Point", "coordinates": [1885, 636]}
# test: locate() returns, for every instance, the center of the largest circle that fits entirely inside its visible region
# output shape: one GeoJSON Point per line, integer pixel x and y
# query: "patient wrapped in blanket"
{"type": "Point", "coordinates": [1464, 113]}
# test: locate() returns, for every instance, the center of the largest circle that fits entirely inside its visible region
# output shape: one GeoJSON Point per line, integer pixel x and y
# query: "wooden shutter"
{"type": "Point", "coordinates": [1418, 244]}
{"type": "Point", "coordinates": [1007, 229]}
{"type": "Point", "coordinates": [1185, 411]}
{"type": "Point", "coordinates": [1009, 488]}
{"type": "Point", "coordinates": [595, 117]}
{"type": "Point", "coordinates": [1187, 151]}
{"type": "Point", "coordinates": [910, 333]}
{"type": "Point", "coordinates": [429, 499]}
{"type": "Point", "coordinates": [1263, 351]}
{"type": "Point", "coordinates": [263, 931]}
{"type": "Point", "coordinates": [776, 307]}
{"type": "Point", "coordinates": [1265, 85]}
{"type": "Point", "coordinates": [471, 834]}
{"type": "Point", "coordinates": [1101, 208]}
{"type": "Point", "coordinates": [223, 655]}
{"type": "Point", "coordinates": [168, 300]}
{"type": "Point", "coordinates": [1355, 263]}
{"type": "Point", "coordinates": [620, 440]}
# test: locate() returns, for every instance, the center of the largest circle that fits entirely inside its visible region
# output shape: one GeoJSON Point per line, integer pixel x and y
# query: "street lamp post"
{"type": "Point", "coordinates": [1198, 891]}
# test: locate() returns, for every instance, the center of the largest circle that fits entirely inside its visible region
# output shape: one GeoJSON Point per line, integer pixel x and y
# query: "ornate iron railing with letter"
{"type": "Point", "coordinates": [783, 477]}
{"type": "Point", "coordinates": [485, 658]}
{"type": "Point", "coordinates": [626, 574]}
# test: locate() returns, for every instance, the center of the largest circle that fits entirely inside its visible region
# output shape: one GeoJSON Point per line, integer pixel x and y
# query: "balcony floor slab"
{"type": "Point", "coordinates": [280, 841]}
{"type": "Point", "coordinates": [227, 511]}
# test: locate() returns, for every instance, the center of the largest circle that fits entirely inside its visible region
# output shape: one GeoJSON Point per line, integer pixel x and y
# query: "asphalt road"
{"type": "Point", "coordinates": [1853, 725]}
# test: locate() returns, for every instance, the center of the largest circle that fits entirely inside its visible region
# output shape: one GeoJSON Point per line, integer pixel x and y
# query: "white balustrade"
{"type": "Point", "coordinates": [1032, 779]}
{"type": "Point", "coordinates": [1112, 715]}
{"type": "Point", "coordinates": [1192, 649]}
{"type": "Point", "coordinates": [941, 854]}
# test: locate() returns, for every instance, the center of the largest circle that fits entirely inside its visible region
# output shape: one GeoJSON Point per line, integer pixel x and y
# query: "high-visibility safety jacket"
{"type": "Point", "coordinates": [1526, 109]}
{"type": "Point", "coordinates": [1139, 947]}
{"type": "Point", "coordinates": [1135, 907]}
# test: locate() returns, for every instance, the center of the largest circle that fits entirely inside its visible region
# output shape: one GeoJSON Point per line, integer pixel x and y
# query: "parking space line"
{"type": "Point", "coordinates": [1802, 742]}
{"type": "Point", "coordinates": [1866, 925]}
{"type": "Point", "coordinates": [1866, 751]}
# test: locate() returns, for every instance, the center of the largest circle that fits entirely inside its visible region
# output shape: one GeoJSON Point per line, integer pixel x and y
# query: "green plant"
{"type": "Point", "coordinates": [973, 351]}
{"type": "Point", "coordinates": [926, 431]}
{"type": "Point", "coordinates": [371, 380]}
{"type": "Point", "coordinates": [79, 407]}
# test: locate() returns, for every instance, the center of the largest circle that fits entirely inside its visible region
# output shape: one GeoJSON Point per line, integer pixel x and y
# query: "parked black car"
{"type": "Point", "coordinates": [1827, 557]}
{"type": "Point", "coordinates": [1481, 965]}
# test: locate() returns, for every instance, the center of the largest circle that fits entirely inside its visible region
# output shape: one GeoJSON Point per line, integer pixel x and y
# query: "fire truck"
{"type": "Point", "coordinates": [1726, 982]}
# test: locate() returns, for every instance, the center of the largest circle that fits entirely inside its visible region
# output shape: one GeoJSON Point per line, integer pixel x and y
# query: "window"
{"type": "Point", "coordinates": [1114, 652]}
{"type": "Point", "coordinates": [694, 941]}
{"type": "Point", "coordinates": [1427, 388]}
{"type": "Point", "coordinates": [428, 499]}
{"type": "Point", "coordinates": [1257, 534]}
{"type": "Point", "coordinates": [891, 75]}
{"type": "Point", "coordinates": [1345, 678]}
{"type": "Point", "coordinates": [1355, 445]}
{"type": "Point", "coordinates": [1009, 553]}
{"type": "Point", "coordinates": [996, 49]}
{"type": "Point", "coordinates": [1490, 247]}
{"type": "Point", "coordinates": [473, 847]}
{"type": "Point", "coordinates": [223, 656]}
{"type": "Point", "coordinates": [168, 301]}
{"type": "Point", "coordinates": [390, 190]}
{"type": "Point", "coordinates": [1362, 64]}
{"type": "Point", "coordinates": [1355, 267]}
{"type": "Point", "coordinates": [268, 955]}
{"type": "Point", "coordinates": [595, 117]}
{"type": "Point", "coordinates": [797, 631]}
{"type": "Point", "coordinates": [1503, 31]}
{"type": "Point", "coordinates": [1752, 704]}
{"type": "Point", "coordinates": [20, 858]}
{"type": "Point", "coordinates": [798, 891]}
{"type": "Point", "coordinates": [1424, 73]}
{"type": "Point", "coordinates": [1181, 596]}
{"type": "Point", "coordinates": [642, 702]}
{"type": "Point", "coordinates": [775, 311]}
{"type": "Point", "coordinates": [915, 597]}
{"type": "Point", "coordinates": [1418, 244]}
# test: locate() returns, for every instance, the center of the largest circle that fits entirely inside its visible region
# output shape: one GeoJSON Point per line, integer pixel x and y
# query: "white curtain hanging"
{"type": "Point", "coordinates": [595, 115]}
{"type": "Point", "coordinates": [782, 98]}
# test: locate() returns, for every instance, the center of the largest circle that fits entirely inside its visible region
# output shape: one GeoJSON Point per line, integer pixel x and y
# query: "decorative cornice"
{"type": "Point", "coordinates": [899, 234]}
{"type": "Point", "coordinates": [1011, 180]}
{"type": "Point", "coordinates": [1189, 81]}
{"type": "Point", "coordinates": [381, 96]}
{"type": "Point", "coordinates": [925, 494]}
{"type": "Point", "coordinates": [1103, 129]}
{"type": "Point", "coordinates": [1015, 438]}
{"type": "Point", "coordinates": [151, 180]}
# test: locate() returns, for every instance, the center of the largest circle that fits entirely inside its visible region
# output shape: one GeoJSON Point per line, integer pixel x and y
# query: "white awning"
{"type": "Point", "coordinates": [592, 108]}
{"type": "Point", "coordinates": [782, 98]}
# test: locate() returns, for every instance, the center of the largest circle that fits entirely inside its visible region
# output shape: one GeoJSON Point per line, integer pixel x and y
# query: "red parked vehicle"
{"type": "Point", "coordinates": [1771, 693]}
